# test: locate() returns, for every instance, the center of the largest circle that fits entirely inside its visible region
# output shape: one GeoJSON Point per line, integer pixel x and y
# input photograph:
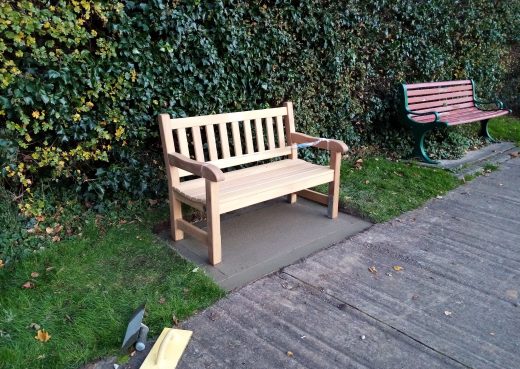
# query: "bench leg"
{"type": "Point", "coordinates": [484, 131]}
{"type": "Point", "coordinates": [419, 151]}
{"type": "Point", "coordinates": [213, 215]}
{"type": "Point", "coordinates": [291, 198]}
{"type": "Point", "coordinates": [335, 164]}
{"type": "Point", "coordinates": [175, 213]}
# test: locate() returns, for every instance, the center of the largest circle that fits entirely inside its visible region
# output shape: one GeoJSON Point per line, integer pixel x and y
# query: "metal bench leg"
{"type": "Point", "coordinates": [419, 150]}
{"type": "Point", "coordinates": [175, 213]}
{"type": "Point", "coordinates": [484, 131]}
{"type": "Point", "coordinates": [213, 214]}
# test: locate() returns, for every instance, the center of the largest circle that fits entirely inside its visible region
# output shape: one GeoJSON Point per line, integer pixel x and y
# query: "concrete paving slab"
{"type": "Point", "coordinates": [264, 238]}
{"type": "Point", "coordinates": [455, 303]}
{"type": "Point", "coordinates": [476, 160]}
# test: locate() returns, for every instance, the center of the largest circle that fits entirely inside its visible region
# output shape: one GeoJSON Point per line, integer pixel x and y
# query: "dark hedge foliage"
{"type": "Point", "coordinates": [81, 82]}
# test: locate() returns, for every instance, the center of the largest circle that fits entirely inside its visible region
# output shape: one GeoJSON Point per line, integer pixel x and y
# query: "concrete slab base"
{"type": "Point", "coordinates": [261, 239]}
{"type": "Point", "coordinates": [474, 161]}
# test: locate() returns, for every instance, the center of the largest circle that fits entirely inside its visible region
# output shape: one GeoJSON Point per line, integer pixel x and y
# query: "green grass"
{"type": "Point", "coordinates": [505, 129]}
{"type": "Point", "coordinates": [382, 189]}
{"type": "Point", "coordinates": [86, 290]}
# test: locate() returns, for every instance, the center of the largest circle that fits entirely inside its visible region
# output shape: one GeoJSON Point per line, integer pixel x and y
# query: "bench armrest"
{"type": "Point", "coordinates": [320, 143]}
{"type": "Point", "coordinates": [437, 116]}
{"type": "Point", "coordinates": [204, 170]}
{"type": "Point", "coordinates": [499, 104]}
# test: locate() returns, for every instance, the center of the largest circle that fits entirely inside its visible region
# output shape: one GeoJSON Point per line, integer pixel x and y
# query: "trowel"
{"type": "Point", "coordinates": [136, 331]}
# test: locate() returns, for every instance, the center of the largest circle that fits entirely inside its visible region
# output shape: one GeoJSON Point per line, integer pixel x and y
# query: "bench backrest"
{"type": "Point", "coordinates": [230, 139]}
{"type": "Point", "coordinates": [439, 96]}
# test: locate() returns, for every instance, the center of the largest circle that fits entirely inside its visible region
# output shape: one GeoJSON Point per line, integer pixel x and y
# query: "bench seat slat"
{"type": "Point", "coordinates": [463, 116]}
{"type": "Point", "coordinates": [252, 185]}
{"type": "Point", "coordinates": [448, 108]}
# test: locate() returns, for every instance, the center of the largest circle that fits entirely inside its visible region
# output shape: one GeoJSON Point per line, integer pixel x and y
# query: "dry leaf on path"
{"type": "Point", "coordinates": [447, 313]}
{"type": "Point", "coordinates": [42, 335]}
{"type": "Point", "coordinates": [372, 269]}
{"type": "Point", "coordinates": [290, 354]}
{"type": "Point", "coordinates": [397, 268]}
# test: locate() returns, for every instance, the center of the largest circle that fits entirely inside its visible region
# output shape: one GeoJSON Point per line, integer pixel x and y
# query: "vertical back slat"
{"type": "Point", "coordinates": [197, 143]}
{"type": "Point", "coordinates": [183, 142]}
{"type": "Point", "coordinates": [212, 145]}
{"type": "Point", "coordinates": [237, 141]}
{"type": "Point", "coordinates": [259, 135]}
{"type": "Point", "coordinates": [224, 142]}
{"type": "Point", "coordinates": [280, 131]}
{"type": "Point", "coordinates": [270, 132]}
{"type": "Point", "coordinates": [249, 136]}
{"type": "Point", "coordinates": [289, 128]}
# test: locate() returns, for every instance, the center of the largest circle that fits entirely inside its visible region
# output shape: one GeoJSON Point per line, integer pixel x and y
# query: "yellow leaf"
{"type": "Point", "coordinates": [1, 264]}
{"type": "Point", "coordinates": [398, 268]}
{"type": "Point", "coordinates": [42, 335]}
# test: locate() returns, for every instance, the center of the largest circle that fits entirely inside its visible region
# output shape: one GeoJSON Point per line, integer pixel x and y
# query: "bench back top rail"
{"type": "Point", "coordinates": [439, 96]}
{"type": "Point", "coordinates": [230, 139]}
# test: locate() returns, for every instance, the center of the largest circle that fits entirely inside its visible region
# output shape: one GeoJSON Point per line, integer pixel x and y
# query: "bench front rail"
{"type": "Point", "coordinates": [203, 146]}
{"type": "Point", "coordinates": [427, 106]}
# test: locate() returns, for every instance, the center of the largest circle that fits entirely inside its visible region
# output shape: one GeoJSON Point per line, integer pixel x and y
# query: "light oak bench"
{"type": "Point", "coordinates": [203, 146]}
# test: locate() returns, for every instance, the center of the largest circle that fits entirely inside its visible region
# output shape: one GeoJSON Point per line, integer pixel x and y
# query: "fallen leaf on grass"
{"type": "Point", "coordinates": [1, 264]}
{"type": "Point", "coordinates": [195, 270]}
{"type": "Point", "coordinates": [42, 335]}
{"type": "Point", "coordinates": [397, 268]}
{"type": "Point", "coordinates": [175, 320]}
{"type": "Point", "coordinates": [162, 300]}
{"type": "Point", "coordinates": [35, 274]}
{"type": "Point", "coordinates": [367, 181]}
{"type": "Point", "coordinates": [358, 164]}
{"type": "Point", "coordinates": [28, 285]}
{"type": "Point", "coordinates": [152, 202]}
{"type": "Point", "coordinates": [372, 269]}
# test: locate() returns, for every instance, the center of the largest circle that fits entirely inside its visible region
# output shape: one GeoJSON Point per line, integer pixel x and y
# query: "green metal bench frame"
{"type": "Point", "coordinates": [441, 115]}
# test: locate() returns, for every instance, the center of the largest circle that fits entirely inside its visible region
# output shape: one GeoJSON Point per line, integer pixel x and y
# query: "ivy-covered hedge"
{"type": "Point", "coordinates": [81, 82]}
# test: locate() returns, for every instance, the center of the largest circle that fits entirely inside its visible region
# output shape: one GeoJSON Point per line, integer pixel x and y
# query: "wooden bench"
{"type": "Point", "coordinates": [203, 146]}
{"type": "Point", "coordinates": [444, 104]}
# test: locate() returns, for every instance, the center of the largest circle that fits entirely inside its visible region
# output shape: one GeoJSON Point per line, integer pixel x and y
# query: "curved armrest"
{"type": "Point", "coordinates": [204, 170]}
{"type": "Point", "coordinates": [437, 116]}
{"type": "Point", "coordinates": [320, 143]}
{"type": "Point", "coordinates": [499, 104]}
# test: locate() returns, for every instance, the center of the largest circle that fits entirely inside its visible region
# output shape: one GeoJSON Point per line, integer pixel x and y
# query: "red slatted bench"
{"type": "Point", "coordinates": [444, 104]}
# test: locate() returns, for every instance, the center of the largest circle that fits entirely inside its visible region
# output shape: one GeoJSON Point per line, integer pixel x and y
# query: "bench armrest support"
{"type": "Point", "coordinates": [499, 104]}
{"type": "Point", "coordinates": [204, 170]}
{"type": "Point", "coordinates": [437, 116]}
{"type": "Point", "coordinates": [320, 143]}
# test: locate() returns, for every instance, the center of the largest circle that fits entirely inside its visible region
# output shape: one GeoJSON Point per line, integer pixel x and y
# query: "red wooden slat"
{"type": "Point", "coordinates": [446, 108]}
{"type": "Point", "coordinates": [487, 115]}
{"type": "Point", "coordinates": [436, 84]}
{"type": "Point", "coordinates": [444, 115]}
{"type": "Point", "coordinates": [440, 103]}
{"type": "Point", "coordinates": [439, 96]}
{"type": "Point", "coordinates": [439, 90]}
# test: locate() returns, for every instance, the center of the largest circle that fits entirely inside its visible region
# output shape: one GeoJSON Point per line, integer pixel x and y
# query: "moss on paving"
{"type": "Point", "coordinates": [86, 290]}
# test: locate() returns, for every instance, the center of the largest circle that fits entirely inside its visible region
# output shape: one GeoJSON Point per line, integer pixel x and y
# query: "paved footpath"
{"type": "Point", "coordinates": [454, 304]}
